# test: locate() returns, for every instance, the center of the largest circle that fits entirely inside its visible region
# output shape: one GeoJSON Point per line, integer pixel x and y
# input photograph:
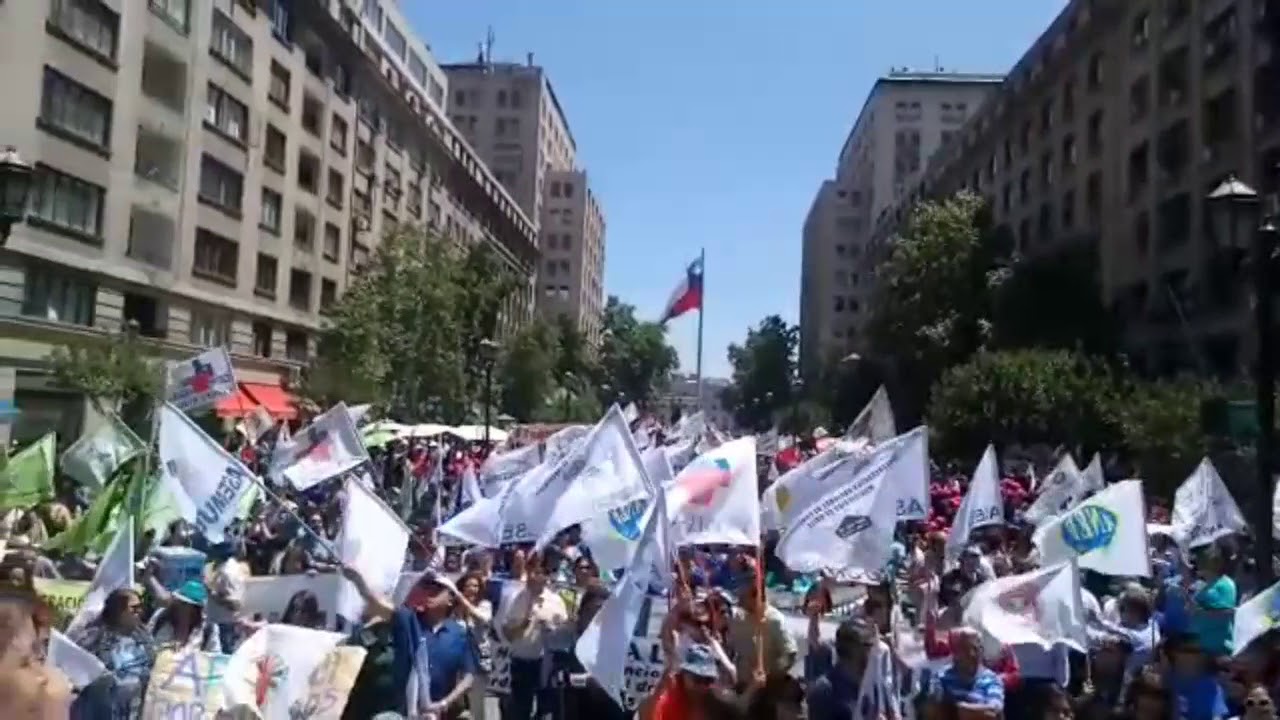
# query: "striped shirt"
{"type": "Point", "coordinates": [984, 688]}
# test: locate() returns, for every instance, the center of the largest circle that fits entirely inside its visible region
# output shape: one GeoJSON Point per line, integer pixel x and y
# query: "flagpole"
{"type": "Point", "coordinates": [702, 311]}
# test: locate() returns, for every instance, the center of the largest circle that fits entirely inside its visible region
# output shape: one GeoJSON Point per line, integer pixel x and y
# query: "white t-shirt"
{"type": "Point", "coordinates": [530, 643]}
{"type": "Point", "coordinates": [229, 580]}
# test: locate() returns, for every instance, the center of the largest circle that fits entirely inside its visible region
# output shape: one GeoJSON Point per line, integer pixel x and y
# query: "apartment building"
{"type": "Point", "coordinates": [1111, 131]}
{"type": "Point", "coordinates": [906, 117]}
{"type": "Point", "coordinates": [511, 115]}
{"type": "Point", "coordinates": [216, 172]}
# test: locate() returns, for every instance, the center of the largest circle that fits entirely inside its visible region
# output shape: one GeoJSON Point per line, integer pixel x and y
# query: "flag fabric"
{"type": "Point", "coordinates": [850, 528]}
{"type": "Point", "coordinates": [605, 471]}
{"type": "Point", "coordinates": [468, 489]}
{"type": "Point", "coordinates": [613, 536]}
{"type": "Point", "coordinates": [715, 499]}
{"type": "Point", "coordinates": [1106, 533]}
{"type": "Point", "coordinates": [206, 481]}
{"type": "Point", "coordinates": [982, 505]}
{"type": "Point", "coordinates": [115, 571]}
{"type": "Point", "coordinates": [93, 458]}
{"type": "Point", "coordinates": [681, 453]}
{"type": "Point", "coordinates": [358, 413]}
{"type": "Point", "coordinates": [1203, 509]}
{"type": "Point", "coordinates": [604, 646]}
{"type": "Point", "coordinates": [1059, 490]}
{"type": "Point", "coordinates": [1094, 478]}
{"type": "Point", "coordinates": [877, 697]}
{"type": "Point", "coordinates": [795, 489]}
{"type": "Point", "coordinates": [373, 540]}
{"type": "Point", "coordinates": [272, 669]}
{"type": "Point", "coordinates": [79, 666]}
{"type": "Point", "coordinates": [631, 413]}
{"type": "Point", "coordinates": [94, 530]}
{"type": "Point", "coordinates": [876, 422]}
{"type": "Point", "coordinates": [201, 381]}
{"type": "Point", "coordinates": [767, 443]}
{"type": "Point", "coordinates": [687, 295]}
{"type": "Point", "coordinates": [1256, 618]}
{"type": "Point", "coordinates": [1042, 608]}
{"type": "Point", "coordinates": [327, 448]}
{"type": "Point", "coordinates": [27, 479]}
{"type": "Point", "coordinates": [500, 468]}
{"type": "Point", "coordinates": [256, 424]}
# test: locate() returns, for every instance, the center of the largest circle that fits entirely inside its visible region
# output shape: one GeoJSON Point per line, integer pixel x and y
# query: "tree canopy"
{"type": "Point", "coordinates": [634, 359]}
{"type": "Point", "coordinates": [763, 390]}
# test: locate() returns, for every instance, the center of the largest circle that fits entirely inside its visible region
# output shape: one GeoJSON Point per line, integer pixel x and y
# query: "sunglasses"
{"type": "Point", "coordinates": [1257, 704]}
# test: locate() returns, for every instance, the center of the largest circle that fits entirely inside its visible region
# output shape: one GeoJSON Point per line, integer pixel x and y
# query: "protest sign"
{"type": "Point", "coordinates": [64, 597]}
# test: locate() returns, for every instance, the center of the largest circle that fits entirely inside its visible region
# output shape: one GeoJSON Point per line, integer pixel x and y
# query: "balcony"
{"type": "Point", "coordinates": [151, 237]}
{"type": "Point", "coordinates": [158, 158]}
{"type": "Point", "coordinates": [164, 78]}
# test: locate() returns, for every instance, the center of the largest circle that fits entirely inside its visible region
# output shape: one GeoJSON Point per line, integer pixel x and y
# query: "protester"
{"type": "Point", "coordinates": [30, 689]}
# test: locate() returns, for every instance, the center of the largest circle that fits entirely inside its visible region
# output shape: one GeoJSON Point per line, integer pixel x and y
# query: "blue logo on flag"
{"type": "Point", "coordinates": [1090, 528]}
{"type": "Point", "coordinates": [626, 519]}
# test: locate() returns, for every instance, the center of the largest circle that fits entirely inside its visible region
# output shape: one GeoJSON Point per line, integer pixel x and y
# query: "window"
{"type": "Point", "coordinates": [338, 134]}
{"type": "Point", "coordinates": [262, 339]}
{"type": "Point", "coordinates": [87, 23]}
{"type": "Point", "coordinates": [304, 230]}
{"type": "Point", "coordinates": [216, 257]}
{"type": "Point", "coordinates": [66, 202]}
{"type": "Point", "coordinates": [271, 211]}
{"type": "Point", "coordinates": [264, 278]}
{"type": "Point", "coordinates": [274, 150]}
{"type": "Point", "coordinates": [332, 242]}
{"type": "Point", "coordinates": [459, 98]}
{"type": "Point", "coordinates": [555, 188]}
{"type": "Point", "coordinates": [308, 172]}
{"type": "Point", "coordinates": [210, 329]}
{"type": "Point", "coordinates": [281, 24]}
{"type": "Point", "coordinates": [551, 267]}
{"type": "Point", "coordinates": [328, 293]}
{"type": "Point", "coordinates": [337, 189]}
{"type": "Point", "coordinates": [175, 12]}
{"type": "Point", "coordinates": [295, 346]}
{"type": "Point", "coordinates": [231, 45]}
{"type": "Point", "coordinates": [1095, 71]}
{"type": "Point", "coordinates": [515, 98]}
{"type": "Point", "coordinates": [220, 186]}
{"type": "Point", "coordinates": [300, 289]}
{"type": "Point", "coordinates": [67, 107]}
{"type": "Point", "coordinates": [568, 190]}
{"type": "Point", "coordinates": [57, 296]}
{"type": "Point", "coordinates": [502, 98]}
{"type": "Point", "coordinates": [278, 89]}
{"type": "Point", "coordinates": [395, 40]}
{"type": "Point", "coordinates": [228, 115]}
{"type": "Point", "coordinates": [417, 69]}
{"type": "Point", "coordinates": [312, 115]}
{"type": "Point", "coordinates": [372, 12]}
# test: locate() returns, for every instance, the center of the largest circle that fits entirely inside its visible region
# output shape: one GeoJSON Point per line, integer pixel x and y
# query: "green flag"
{"type": "Point", "coordinates": [93, 458]}
{"type": "Point", "coordinates": [94, 530]}
{"type": "Point", "coordinates": [27, 479]}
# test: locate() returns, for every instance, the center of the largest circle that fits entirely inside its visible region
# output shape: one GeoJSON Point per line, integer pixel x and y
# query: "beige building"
{"type": "Point", "coordinates": [907, 116]}
{"type": "Point", "coordinates": [511, 115]}
{"type": "Point", "coordinates": [1110, 131]}
{"type": "Point", "coordinates": [216, 170]}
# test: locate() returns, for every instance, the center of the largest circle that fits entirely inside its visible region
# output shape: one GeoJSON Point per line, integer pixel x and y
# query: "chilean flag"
{"type": "Point", "coordinates": [687, 295]}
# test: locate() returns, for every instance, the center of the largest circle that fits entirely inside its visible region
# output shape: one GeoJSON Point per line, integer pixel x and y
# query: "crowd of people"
{"type": "Point", "coordinates": [1159, 647]}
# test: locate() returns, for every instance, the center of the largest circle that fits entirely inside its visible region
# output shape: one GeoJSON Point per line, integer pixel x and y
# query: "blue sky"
{"type": "Point", "coordinates": [711, 123]}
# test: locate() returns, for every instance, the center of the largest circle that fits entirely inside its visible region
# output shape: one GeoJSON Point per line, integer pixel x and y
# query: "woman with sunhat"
{"type": "Point", "coordinates": [180, 623]}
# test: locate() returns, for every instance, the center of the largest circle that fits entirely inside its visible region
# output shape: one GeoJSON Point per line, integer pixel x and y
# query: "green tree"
{"type": "Point", "coordinates": [118, 373]}
{"type": "Point", "coordinates": [572, 357]}
{"type": "Point", "coordinates": [761, 392]}
{"type": "Point", "coordinates": [634, 358]}
{"type": "Point", "coordinates": [399, 334]}
{"type": "Point", "coordinates": [933, 303]}
{"type": "Point", "coordinates": [486, 289]}
{"type": "Point", "coordinates": [1055, 301]}
{"type": "Point", "coordinates": [1160, 428]}
{"type": "Point", "coordinates": [526, 372]}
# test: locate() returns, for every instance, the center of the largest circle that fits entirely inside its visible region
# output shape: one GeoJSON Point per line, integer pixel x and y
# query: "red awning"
{"type": "Point", "coordinates": [272, 397]}
{"type": "Point", "coordinates": [235, 405]}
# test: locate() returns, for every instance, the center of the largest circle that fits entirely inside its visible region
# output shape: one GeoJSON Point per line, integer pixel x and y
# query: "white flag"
{"type": "Point", "coordinates": [1106, 533]}
{"type": "Point", "coordinates": [681, 454]}
{"type": "Point", "coordinates": [93, 458]}
{"type": "Point", "coordinates": [630, 413]}
{"type": "Point", "coordinates": [1042, 607]}
{"type": "Point", "coordinates": [358, 413]}
{"type": "Point", "coordinates": [469, 489]}
{"type": "Point", "coordinates": [982, 505]}
{"type": "Point", "coordinates": [79, 665]}
{"type": "Point", "coordinates": [715, 499]}
{"type": "Point", "coordinates": [256, 424]}
{"type": "Point", "coordinates": [603, 472]}
{"type": "Point", "coordinates": [205, 481]}
{"type": "Point", "coordinates": [1256, 617]}
{"type": "Point", "coordinates": [326, 448]}
{"type": "Point", "coordinates": [604, 646]}
{"type": "Point", "coordinates": [500, 468]}
{"type": "Point", "coordinates": [613, 536]}
{"type": "Point", "coordinates": [1062, 488]}
{"type": "Point", "coordinates": [271, 670]}
{"type": "Point", "coordinates": [876, 422]}
{"type": "Point", "coordinates": [373, 540]}
{"type": "Point", "coordinates": [851, 527]}
{"type": "Point", "coordinates": [115, 571]}
{"type": "Point", "coordinates": [201, 381]}
{"type": "Point", "coordinates": [1203, 509]}
{"type": "Point", "coordinates": [1094, 478]}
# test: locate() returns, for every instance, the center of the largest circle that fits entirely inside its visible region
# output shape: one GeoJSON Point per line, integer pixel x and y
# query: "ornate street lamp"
{"type": "Point", "coordinates": [15, 186]}
{"type": "Point", "coordinates": [489, 355]}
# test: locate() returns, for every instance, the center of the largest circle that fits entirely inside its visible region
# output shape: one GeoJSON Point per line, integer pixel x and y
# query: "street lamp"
{"type": "Point", "coordinates": [488, 355]}
{"type": "Point", "coordinates": [568, 380]}
{"type": "Point", "coordinates": [15, 186]}
{"type": "Point", "coordinates": [1235, 211]}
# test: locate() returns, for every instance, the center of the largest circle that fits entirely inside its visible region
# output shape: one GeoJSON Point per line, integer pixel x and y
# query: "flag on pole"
{"type": "Point", "coordinates": [1106, 533]}
{"type": "Point", "coordinates": [688, 294]}
{"type": "Point", "coordinates": [93, 458]}
{"type": "Point", "coordinates": [1203, 509]}
{"type": "Point", "coordinates": [328, 447]}
{"type": "Point", "coordinates": [715, 499]}
{"type": "Point", "coordinates": [206, 482]}
{"type": "Point", "coordinates": [1042, 607]}
{"type": "Point", "coordinates": [201, 381]}
{"type": "Point", "coordinates": [1059, 490]}
{"type": "Point", "coordinates": [982, 505]}
{"type": "Point", "coordinates": [27, 479]}
{"type": "Point", "coordinates": [115, 571]}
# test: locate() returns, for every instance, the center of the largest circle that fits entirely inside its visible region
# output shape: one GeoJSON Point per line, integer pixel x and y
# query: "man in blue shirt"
{"type": "Point", "coordinates": [834, 695]}
{"type": "Point", "coordinates": [966, 684]}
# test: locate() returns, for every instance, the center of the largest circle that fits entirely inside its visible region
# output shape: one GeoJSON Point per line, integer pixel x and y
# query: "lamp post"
{"type": "Point", "coordinates": [15, 186]}
{"type": "Point", "coordinates": [568, 380]}
{"type": "Point", "coordinates": [1237, 219]}
{"type": "Point", "coordinates": [488, 354]}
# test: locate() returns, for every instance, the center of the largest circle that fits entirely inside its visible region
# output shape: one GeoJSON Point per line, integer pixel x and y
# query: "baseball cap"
{"type": "Point", "coordinates": [698, 660]}
{"type": "Point", "coordinates": [192, 592]}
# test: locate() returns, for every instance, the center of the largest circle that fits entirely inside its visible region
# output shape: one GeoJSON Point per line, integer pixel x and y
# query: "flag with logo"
{"type": "Point", "coordinates": [1059, 490]}
{"type": "Point", "coordinates": [851, 526]}
{"type": "Point", "coordinates": [203, 380]}
{"type": "Point", "coordinates": [1042, 607]}
{"type": "Point", "coordinates": [1257, 617]}
{"type": "Point", "coordinates": [795, 489]}
{"type": "Point", "coordinates": [715, 499]}
{"type": "Point", "coordinates": [613, 536]}
{"type": "Point", "coordinates": [1203, 509]}
{"type": "Point", "coordinates": [27, 478]}
{"type": "Point", "coordinates": [1106, 533]}
{"type": "Point", "coordinates": [500, 468]}
{"type": "Point", "coordinates": [272, 671]}
{"type": "Point", "coordinates": [205, 481]}
{"type": "Point", "coordinates": [328, 447]}
{"type": "Point", "coordinates": [875, 423]}
{"type": "Point", "coordinates": [982, 505]}
{"type": "Point", "coordinates": [93, 458]}
{"type": "Point", "coordinates": [373, 540]}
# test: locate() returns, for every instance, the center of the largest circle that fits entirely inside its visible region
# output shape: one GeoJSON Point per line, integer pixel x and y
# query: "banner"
{"type": "Point", "coordinates": [64, 597]}
{"type": "Point", "coordinates": [201, 381]}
